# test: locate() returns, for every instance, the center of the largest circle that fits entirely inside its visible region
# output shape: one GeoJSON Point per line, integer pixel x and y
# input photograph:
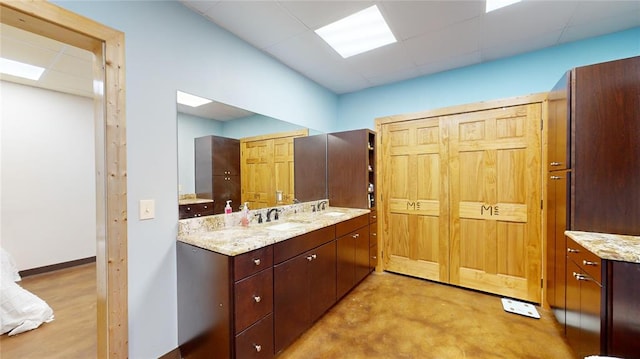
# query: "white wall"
{"type": "Point", "coordinates": [47, 188]}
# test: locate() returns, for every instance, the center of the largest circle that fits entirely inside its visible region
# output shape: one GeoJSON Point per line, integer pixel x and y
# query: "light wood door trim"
{"type": "Point", "coordinates": [107, 44]}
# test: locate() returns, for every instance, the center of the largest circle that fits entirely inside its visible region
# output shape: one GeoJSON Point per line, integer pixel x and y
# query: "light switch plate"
{"type": "Point", "coordinates": [147, 209]}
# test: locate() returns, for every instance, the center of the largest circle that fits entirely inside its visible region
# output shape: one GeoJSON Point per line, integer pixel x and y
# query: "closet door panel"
{"type": "Point", "coordinates": [495, 196]}
{"type": "Point", "coordinates": [417, 210]}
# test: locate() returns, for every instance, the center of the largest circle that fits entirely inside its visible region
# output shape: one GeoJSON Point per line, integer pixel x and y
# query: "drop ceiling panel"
{"type": "Point", "coordinates": [261, 23]}
{"type": "Point", "coordinates": [449, 42]}
{"type": "Point", "coordinates": [516, 47]}
{"type": "Point", "coordinates": [450, 63]}
{"type": "Point", "coordinates": [316, 14]}
{"type": "Point", "coordinates": [412, 18]}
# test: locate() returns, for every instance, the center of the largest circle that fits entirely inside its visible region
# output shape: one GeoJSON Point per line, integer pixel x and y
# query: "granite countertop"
{"type": "Point", "coordinates": [613, 247]}
{"type": "Point", "coordinates": [194, 201]}
{"type": "Point", "coordinates": [238, 240]}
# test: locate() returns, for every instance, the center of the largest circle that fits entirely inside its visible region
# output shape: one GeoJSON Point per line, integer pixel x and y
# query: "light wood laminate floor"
{"type": "Point", "coordinates": [71, 293]}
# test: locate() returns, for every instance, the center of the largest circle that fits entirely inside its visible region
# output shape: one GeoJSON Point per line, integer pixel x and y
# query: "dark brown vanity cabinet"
{"type": "Point", "coordinates": [304, 283]}
{"type": "Point", "coordinates": [584, 300]}
{"type": "Point", "coordinates": [225, 304]}
{"type": "Point", "coordinates": [593, 173]}
{"type": "Point", "coordinates": [353, 253]}
{"type": "Point", "coordinates": [351, 175]}
{"type": "Point", "coordinates": [217, 170]}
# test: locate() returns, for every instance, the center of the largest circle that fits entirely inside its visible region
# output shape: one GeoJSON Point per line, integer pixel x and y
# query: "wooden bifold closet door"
{"type": "Point", "coordinates": [461, 199]}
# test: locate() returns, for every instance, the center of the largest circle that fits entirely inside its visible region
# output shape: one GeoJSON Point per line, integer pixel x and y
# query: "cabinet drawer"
{"type": "Point", "coordinates": [351, 225]}
{"type": "Point", "coordinates": [373, 257]}
{"type": "Point", "coordinates": [302, 243]}
{"type": "Point", "coordinates": [257, 341]}
{"type": "Point", "coordinates": [587, 261]}
{"type": "Point", "coordinates": [373, 234]}
{"type": "Point", "coordinates": [195, 210]}
{"type": "Point", "coordinates": [252, 262]}
{"type": "Point", "coordinates": [253, 299]}
{"type": "Point", "coordinates": [373, 216]}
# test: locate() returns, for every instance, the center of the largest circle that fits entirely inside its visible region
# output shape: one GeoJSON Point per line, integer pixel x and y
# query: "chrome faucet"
{"type": "Point", "coordinates": [275, 217]}
{"type": "Point", "coordinates": [321, 205]}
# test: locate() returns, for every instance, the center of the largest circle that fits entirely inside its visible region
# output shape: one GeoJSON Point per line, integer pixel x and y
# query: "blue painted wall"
{"type": "Point", "coordinates": [529, 73]}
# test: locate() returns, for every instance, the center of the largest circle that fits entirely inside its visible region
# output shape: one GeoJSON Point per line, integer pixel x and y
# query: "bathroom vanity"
{"type": "Point", "coordinates": [249, 292]}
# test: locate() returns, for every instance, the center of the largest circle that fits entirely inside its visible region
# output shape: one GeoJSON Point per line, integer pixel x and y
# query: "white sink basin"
{"type": "Point", "coordinates": [333, 214]}
{"type": "Point", "coordinates": [286, 226]}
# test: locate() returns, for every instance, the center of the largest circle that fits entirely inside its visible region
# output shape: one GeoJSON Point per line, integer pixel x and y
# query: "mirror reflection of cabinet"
{"type": "Point", "coordinates": [310, 158]}
{"type": "Point", "coordinates": [217, 170]}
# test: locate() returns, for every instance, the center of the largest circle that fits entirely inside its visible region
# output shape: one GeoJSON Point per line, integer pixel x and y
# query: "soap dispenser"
{"type": "Point", "coordinates": [244, 220]}
{"type": "Point", "coordinates": [228, 217]}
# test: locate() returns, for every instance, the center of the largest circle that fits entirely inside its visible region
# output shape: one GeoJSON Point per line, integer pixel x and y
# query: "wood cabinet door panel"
{"type": "Point", "coordinates": [494, 161]}
{"type": "Point", "coordinates": [558, 126]}
{"type": "Point", "coordinates": [322, 279]}
{"type": "Point", "coordinates": [362, 254]}
{"type": "Point", "coordinates": [291, 308]}
{"type": "Point", "coordinates": [346, 272]}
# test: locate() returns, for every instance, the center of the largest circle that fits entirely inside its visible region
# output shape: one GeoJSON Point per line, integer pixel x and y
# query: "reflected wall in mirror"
{"type": "Point", "coordinates": [213, 123]}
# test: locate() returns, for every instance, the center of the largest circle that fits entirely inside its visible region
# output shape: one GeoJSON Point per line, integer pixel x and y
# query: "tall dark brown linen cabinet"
{"type": "Point", "coordinates": [593, 185]}
{"type": "Point", "coordinates": [217, 170]}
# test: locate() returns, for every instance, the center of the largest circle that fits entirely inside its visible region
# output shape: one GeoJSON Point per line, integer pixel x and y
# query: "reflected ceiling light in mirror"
{"type": "Point", "coordinates": [497, 4]}
{"type": "Point", "coordinates": [191, 100]}
{"type": "Point", "coordinates": [363, 31]}
{"type": "Point", "coordinates": [20, 69]}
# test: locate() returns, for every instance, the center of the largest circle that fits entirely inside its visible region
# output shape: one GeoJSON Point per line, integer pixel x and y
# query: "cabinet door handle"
{"type": "Point", "coordinates": [589, 263]}
{"type": "Point", "coordinates": [309, 258]}
{"type": "Point", "coordinates": [374, 257]}
{"type": "Point", "coordinates": [579, 276]}
{"type": "Point", "coordinates": [256, 261]}
{"type": "Point", "coordinates": [374, 234]}
{"type": "Point", "coordinates": [314, 256]}
{"type": "Point", "coordinates": [555, 177]}
{"type": "Point", "coordinates": [571, 250]}
{"type": "Point", "coordinates": [374, 217]}
{"type": "Point", "coordinates": [257, 298]}
{"type": "Point", "coordinates": [555, 164]}
{"type": "Point", "coordinates": [258, 347]}
{"type": "Point", "coordinates": [356, 235]}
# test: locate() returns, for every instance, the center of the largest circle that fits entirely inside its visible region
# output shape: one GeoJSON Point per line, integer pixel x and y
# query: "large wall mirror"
{"type": "Point", "coordinates": [210, 128]}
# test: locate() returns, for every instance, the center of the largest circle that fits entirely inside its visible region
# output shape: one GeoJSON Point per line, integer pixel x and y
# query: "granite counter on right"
{"type": "Point", "coordinates": [602, 291]}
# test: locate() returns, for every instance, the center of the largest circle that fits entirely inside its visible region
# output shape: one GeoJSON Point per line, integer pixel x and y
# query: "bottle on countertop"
{"type": "Point", "coordinates": [228, 217]}
{"type": "Point", "coordinates": [244, 219]}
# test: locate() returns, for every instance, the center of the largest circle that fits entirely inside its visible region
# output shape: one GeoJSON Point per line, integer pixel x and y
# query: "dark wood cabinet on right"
{"type": "Point", "coordinates": [593, 181]}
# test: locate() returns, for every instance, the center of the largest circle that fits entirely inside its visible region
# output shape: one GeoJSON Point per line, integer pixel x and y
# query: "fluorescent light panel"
{"type": "Point", "coordinates": [191, 100]}
{"type": "Point", "coordinates": [363, 31]}
{"type": "Point", "coordinates": [497, 4]}
{"type": "Point", "coordinates": [20, 69]}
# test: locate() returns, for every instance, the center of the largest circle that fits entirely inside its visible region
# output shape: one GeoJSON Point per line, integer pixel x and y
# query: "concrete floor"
{"type": "Point", "coordinates": [394, 316]}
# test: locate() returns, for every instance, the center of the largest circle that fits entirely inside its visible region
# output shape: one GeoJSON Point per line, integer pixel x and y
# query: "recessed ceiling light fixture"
{"type": "Point", "coordinates": [363, 31]}
{"type": "Point", "coordinates": [497, 4]}
{"type": "Point", "coordinates": [191, 100]}
{"type": "Point", "coordinates": [20, 69]}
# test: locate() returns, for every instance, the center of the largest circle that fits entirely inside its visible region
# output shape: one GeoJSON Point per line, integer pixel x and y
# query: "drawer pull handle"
{"type": "Point", "coordinates": [309, 258]}
{"type": "Point", "coordinates": [256, 261]}
{"type": "Point", "coordinates": [374, 234]}
{"type": "Point", "coordinates": [555, 163]}
{"type": "Point", "coordinates": [356, 235]}
{"type": "Point", "coordinates": [314, 256]}
{"type": "Point", "coordinates": [374, 217]}
{"type": "Point", "coordinates": [555, 177]}
{"type": "Point", "coordinates": [579, 276]}
{"type": "Point", "coordinates": [374, 257]}
{"type": "Point", "coordinates": [258, 347]}
{"type": "Point", "coordinates": [571, 250]}
{"type": "Point", "coordinates": [589, 263]}
{"type": "Point", "coordinates": [257, 298]}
